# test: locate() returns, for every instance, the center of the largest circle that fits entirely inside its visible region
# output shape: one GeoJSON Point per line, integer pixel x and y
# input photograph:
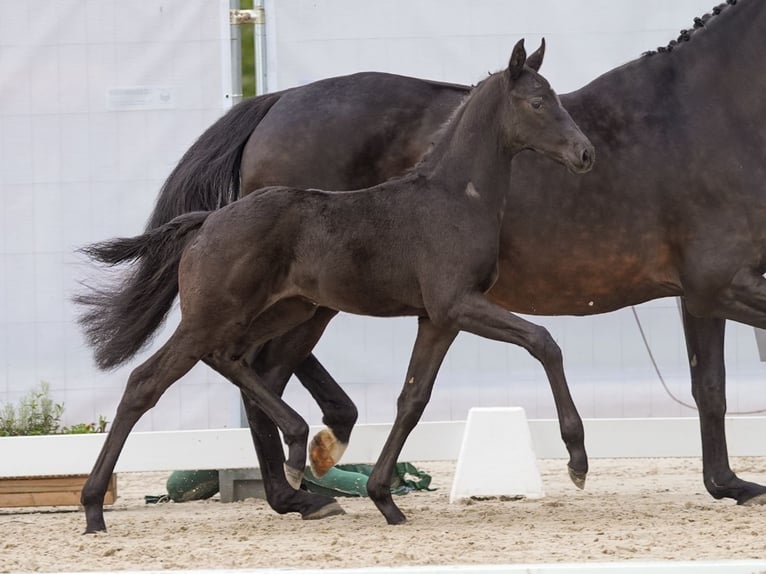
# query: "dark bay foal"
{"type": "Point", "coordinates": [425, 245]}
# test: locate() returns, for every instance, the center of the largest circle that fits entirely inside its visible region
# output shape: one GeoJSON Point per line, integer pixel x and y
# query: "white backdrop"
{"type": "Point", "coordinates": [100, 98]}
{"type": "Point", "coordinates": [98, 101]}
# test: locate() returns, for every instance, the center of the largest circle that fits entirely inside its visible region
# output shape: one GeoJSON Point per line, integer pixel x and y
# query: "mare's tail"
{"type": "Point", "coordinates": [120, 318]}
{"type": "Point", "coordinates": [207, 177]}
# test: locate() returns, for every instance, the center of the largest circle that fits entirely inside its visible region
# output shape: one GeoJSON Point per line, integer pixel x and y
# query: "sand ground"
{"type": "Point", "coordinates": [631, 509]}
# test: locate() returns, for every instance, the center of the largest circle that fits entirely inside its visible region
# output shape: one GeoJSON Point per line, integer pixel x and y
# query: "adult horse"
{"type": "Point", "coordinates": [426, 244]}
{"type": "Point", "coordinates": [674, 206]}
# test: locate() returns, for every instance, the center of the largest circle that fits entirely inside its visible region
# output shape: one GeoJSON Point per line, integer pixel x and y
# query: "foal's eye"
{"type": "Point", "coordinates": [537, 103]}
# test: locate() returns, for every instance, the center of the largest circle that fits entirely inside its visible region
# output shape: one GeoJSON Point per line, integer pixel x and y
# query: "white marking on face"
{"type": "Point", "coordinates": [471, 191]}
{"type": "Point", "coordinates": [693, 362]}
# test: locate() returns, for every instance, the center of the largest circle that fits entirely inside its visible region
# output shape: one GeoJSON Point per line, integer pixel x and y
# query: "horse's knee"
{"type": "Point", "coordinates": [544, 347]}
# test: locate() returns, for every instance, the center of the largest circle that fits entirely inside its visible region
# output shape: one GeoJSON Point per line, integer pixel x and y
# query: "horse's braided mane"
{"type": "Point", "coordinates": [699, 22]}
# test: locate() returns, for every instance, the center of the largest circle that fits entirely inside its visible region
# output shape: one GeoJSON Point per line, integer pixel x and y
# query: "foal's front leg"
{"type": "Point", "coordinates": [431, 344]}
{"type": "Point", "coordinates": [475, 314]}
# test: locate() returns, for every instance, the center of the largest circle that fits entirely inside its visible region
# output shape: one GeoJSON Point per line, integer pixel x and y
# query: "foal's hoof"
{"type": "Point", "coordinates": [324, 452]}
{"type": "Point", "coordinates": [759, 500]}
{"type": "Point", "coordinates": [332, 509]}
{"type": "Point", "coordinates": [294, 477]}
{"type": "Point", "coordinates": [577, 477]}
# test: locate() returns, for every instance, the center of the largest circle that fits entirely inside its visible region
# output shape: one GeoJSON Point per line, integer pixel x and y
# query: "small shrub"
{"type": "Point", "coordinates": [37, 414]}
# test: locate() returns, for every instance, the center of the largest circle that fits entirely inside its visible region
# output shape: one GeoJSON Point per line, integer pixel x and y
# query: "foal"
{"type": "Point", "coordinates": [425, 244]}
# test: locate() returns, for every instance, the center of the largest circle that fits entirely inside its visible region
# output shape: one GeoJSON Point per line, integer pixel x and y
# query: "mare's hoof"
{"type": "Point", "coordinates": [325, 451]}
{"type": "Point", "coordinates": [294, 476]}
{"type": "Point", "coordinates": [400, 518]}
{"type": "Point", "coordinates": [577, 477]}
{"type": "Point", "coordinates": [332, 509]}
{"type": "Point", "coordinates": [759, 500]}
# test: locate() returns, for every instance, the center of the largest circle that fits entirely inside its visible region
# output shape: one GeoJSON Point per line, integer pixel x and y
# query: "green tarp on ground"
{"type": "Point", "coordinates": [341, 480]}
{"type": "Point", "coordinates": [351, 480]}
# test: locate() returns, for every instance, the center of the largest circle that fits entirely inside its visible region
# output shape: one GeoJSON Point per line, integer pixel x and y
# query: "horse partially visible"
{"type": "Point", "coordinates": [675, 205]}
{"type": "Point", "coordinates": [426, 244]}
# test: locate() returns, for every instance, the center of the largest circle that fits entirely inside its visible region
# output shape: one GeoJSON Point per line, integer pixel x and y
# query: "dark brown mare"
{"type": "Point", "coordinates": [674, 207]}
{"type": "Point", "coordinates": [426, 244]}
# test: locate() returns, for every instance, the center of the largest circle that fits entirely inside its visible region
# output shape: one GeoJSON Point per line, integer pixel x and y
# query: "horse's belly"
{"type": "Point", "coordinates": [551, 287]}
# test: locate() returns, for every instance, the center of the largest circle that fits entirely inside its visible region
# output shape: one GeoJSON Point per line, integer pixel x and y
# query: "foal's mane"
{"type": "Point", "coordinates": [440, 134]}
{"type": "Point", "coordinates": [685, 34]}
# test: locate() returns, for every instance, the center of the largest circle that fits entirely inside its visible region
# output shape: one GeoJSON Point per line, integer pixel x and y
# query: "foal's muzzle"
{"type": "Point", "coordinates": [584, 158]}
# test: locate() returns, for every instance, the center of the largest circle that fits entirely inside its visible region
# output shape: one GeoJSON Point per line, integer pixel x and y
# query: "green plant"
{"type": "Point", "coordinates": [37, 414]}
{"type": "Point", "coordinates": [86, 428]}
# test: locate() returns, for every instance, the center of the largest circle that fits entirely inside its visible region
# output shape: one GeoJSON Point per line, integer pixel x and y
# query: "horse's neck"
{"type": "Point", "coordinates": [725, 59]}
{"type": "Point", "coordinates": [470, 162]}
{"type": "Point", "coordinates": [721, 65]}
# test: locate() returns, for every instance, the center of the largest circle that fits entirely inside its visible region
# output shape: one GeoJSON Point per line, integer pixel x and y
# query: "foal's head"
{"type": "Point", "coordinates": [535, 118]}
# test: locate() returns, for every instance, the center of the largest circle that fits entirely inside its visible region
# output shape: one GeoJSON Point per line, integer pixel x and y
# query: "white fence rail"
{"type": "Point", "coordinates": [232, 448]}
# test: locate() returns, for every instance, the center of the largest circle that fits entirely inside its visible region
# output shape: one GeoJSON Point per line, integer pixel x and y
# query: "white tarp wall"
{"type": "Point", "coordinates": [98, 101]}
{"type": "Point", "coordinates": [457, 41]}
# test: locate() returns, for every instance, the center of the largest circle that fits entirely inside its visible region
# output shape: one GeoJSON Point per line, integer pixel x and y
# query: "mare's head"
{"type": "Point", "coordinates": [534, 117]}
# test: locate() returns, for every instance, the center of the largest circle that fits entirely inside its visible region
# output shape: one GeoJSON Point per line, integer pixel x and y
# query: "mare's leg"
{"type": "Point", "coordinates": [475, 314]}
{"type": "Point", "coordinates": [282, 483]}
{"type": "Point", "coordinates": [705, 348]}
{"type": "Point", "coordinates": [431, 344]}
{"type": "Point", "coordinates": [339, 413]}
{"type": "Point", "coordinates": [145, 386]}
{"type": "Point", "coordinates": [274, 364]}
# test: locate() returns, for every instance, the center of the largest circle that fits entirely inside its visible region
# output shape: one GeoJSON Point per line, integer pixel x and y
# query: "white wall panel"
{"type": "Point", "coordinates": [74, 169]}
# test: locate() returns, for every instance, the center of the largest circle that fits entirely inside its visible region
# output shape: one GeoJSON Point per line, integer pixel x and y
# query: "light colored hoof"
{"type": "Point", "coordinates": [294, 476]}
{"type": "Point", "coordinates": [759, 500]}
{"type": "Point", "coordinates": [332, 509]}
{"type": "Point", "coordinates": [577, 477]}
{"type": "Point", "coordinates": [324, 452]}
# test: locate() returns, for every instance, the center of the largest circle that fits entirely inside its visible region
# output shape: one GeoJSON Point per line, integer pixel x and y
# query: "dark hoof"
{"type": "Point", "coordinates": [577, 477]}
{"type": "Point", "coordinates": [331, 509]}
{"type": "Point", "coordinates": [759, 500]}
{"type": "Point", "coordinates": [396, 520]}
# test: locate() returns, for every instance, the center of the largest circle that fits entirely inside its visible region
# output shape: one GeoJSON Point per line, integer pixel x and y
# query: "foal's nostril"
{"type": "Point", "coordinates": [585, 157]}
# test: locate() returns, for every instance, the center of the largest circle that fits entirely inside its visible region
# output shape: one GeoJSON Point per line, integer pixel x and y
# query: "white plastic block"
{"type": "Point", "coordinates": [496, 456]}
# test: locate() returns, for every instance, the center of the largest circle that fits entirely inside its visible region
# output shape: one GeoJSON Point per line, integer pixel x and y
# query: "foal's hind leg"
{"type": "Point", "coordinates": [274, 364]}
{"type": "Point", "coordinates": [431, 344]}
{"type": "Point", "coordinates": [262, 400]}
{"type": "Point", "coordinates": [475, 314]}
{"type": "Point", "coordinates": [705, 348]}
{"type": "Point", "coordinates": [145, 386]}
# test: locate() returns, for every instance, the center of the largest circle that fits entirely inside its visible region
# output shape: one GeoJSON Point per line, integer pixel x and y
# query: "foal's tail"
{"type": "Point", "coordinates": [207, 177]}
{"type": "Point", "coordinates": [120, 318]}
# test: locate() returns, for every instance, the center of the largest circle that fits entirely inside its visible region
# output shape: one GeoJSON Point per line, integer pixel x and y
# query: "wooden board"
{"type": "Point", "coordinates": [48, 490]}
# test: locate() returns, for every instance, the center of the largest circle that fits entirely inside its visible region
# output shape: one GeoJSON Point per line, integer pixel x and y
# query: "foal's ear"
{"type": "Point", "coordinates": [516, 63]}
{"type": "Point", "coordinates": [536, 59]}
